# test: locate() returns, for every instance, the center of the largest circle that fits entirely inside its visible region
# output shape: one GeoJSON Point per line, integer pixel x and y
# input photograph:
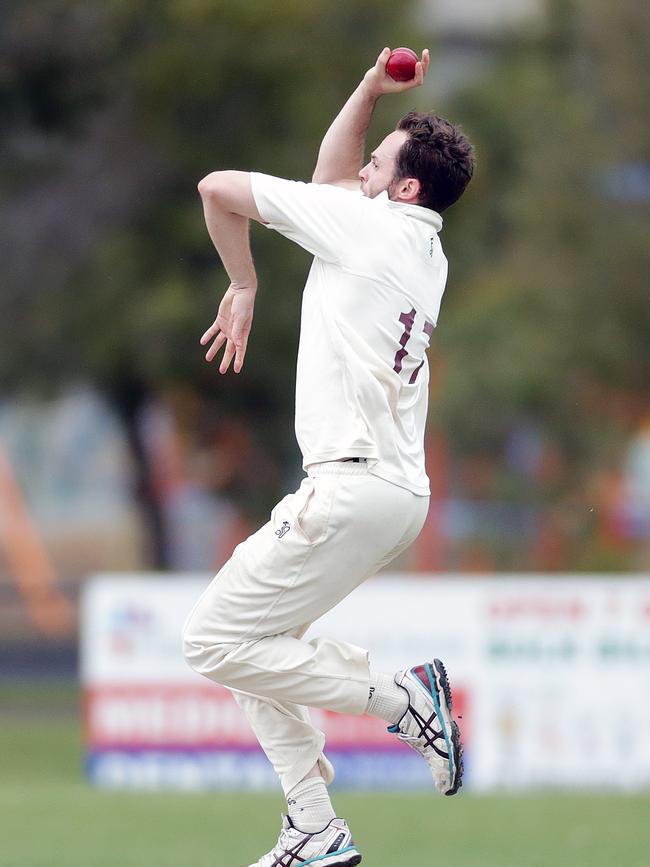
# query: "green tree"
{"type": "Point", "coordinates": [112, 112]}
{"type": "Point", "coordinates": [547, 319]}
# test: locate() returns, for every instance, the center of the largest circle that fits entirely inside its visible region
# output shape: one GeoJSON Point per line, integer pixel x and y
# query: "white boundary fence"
{"type": "Point", "coordinates": [551, 677]}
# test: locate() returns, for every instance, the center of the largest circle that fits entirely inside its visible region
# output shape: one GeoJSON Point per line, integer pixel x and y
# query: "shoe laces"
{"type": "Point", "coordinates": [285, 839]}
{"type": "Point", "coordinates": [284, 843]}
{"type": "Point", "coordinates": [424, 741]}
{"type": "Point", "coordinates": [418, 743]}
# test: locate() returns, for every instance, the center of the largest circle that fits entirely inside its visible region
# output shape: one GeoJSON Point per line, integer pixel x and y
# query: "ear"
{"type": "Point", "coordinates": [408, 191]}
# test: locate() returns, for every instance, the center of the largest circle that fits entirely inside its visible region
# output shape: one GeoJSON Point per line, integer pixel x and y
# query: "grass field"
{"type": "Point", "coordinates": [49, 817]}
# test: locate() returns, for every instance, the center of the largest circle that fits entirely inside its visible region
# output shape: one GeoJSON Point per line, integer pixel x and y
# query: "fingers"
{"type": "Point", "coordinates": [421, 69]}
{"type": "Point", "coordinates": [228, 355]}
{"type": "Point", "coordinates": [216, 346]}
{"type": "Point", "coordinates": [382, 60]}
{"type": "Point", "coordinates": [234, 349]}
{"type": "Point", "coordinates": [209, 334]}
{"type": "Point", "coordinates": [240, 352]}
{"type": "Point", "coordinates": [231, 327]}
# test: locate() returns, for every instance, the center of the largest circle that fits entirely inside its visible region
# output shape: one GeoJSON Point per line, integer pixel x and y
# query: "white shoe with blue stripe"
{"type": "Point", "coordinates": [427, 725]}
{"type": "Point", "coordinates": [331, 847]}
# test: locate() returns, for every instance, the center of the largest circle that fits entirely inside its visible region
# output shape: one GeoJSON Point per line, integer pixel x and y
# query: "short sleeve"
{"type": "Point", "coordinates": [319, 217]}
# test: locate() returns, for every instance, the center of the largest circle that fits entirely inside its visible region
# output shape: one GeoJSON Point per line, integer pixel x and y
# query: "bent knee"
{"type": "Point", "coordinates": [203, 651]}
{"type": "Point", "coordinates": [198, 645]}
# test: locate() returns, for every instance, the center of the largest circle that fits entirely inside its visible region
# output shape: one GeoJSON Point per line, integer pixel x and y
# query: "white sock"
{"type": "Point", "coordinates": [387, 700]}
{"type": "Point", "coordinates": [309, 805]}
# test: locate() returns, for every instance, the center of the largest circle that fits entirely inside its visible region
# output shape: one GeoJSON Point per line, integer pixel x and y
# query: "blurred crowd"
{"type": "Point", "coordinates": [203, 481]}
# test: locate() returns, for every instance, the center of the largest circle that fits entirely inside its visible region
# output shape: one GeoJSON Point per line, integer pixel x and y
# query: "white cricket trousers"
{"type": "Point", "coordinates": [246, 631]}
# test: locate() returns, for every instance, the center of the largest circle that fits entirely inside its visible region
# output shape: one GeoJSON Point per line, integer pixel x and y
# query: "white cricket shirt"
{"type": "Point", "coordinates": [369, 307]}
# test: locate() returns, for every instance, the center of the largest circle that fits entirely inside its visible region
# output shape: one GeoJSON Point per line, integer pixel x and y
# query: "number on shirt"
{"type": "Point", "coordinates": [407, 320]}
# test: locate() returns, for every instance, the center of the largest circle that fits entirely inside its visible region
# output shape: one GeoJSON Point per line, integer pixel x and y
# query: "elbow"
{"type": "Point", "coordinates": [206, 186]}
{"type": "Point", "coordinates": [209, 187]}
{"type": "Point", "coordinates": [228, 191]}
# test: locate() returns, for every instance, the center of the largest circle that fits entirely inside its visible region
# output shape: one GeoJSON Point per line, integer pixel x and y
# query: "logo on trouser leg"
{"type": "Point", "coordinates": [284, 529]}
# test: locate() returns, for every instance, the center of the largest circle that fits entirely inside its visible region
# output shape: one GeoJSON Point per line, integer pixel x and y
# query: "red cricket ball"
{"type": "Point", "coordinates": [401, 64]}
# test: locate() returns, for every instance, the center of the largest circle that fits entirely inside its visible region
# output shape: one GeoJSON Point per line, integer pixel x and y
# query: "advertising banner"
{"type": "Point", "coordinates": [551, 680]}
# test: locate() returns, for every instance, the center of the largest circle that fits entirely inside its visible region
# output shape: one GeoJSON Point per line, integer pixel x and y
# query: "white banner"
{"type": "Point", "coordinates": [551, 677]}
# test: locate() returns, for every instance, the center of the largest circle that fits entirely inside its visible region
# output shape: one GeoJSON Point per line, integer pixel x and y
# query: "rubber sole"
{"type": "Point", "coordinates": [456, 742]}
{"type": "Point", "coordinates": [458, 749]}
{"type": "Point", "coordinates": [352, 861]}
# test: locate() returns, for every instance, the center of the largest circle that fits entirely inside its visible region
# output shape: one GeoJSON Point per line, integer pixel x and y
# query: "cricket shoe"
{"type": "Point", "coordinates": [331, 847]}
{"type": "Point", "coordinates": [427, 726]}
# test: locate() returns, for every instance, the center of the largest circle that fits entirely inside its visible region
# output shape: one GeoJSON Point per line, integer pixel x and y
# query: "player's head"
{"type": "Point", "coordinates": [438, 155]}
{"type": "Point", "coordinates": [426, 161]}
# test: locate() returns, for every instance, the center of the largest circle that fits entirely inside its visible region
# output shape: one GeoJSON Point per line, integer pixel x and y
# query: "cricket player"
{"type": "Point", "coordinates": [369, 308]}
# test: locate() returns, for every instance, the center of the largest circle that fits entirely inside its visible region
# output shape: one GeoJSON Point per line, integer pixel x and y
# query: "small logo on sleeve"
{"type": "Point", "coordinates": [284, 529]}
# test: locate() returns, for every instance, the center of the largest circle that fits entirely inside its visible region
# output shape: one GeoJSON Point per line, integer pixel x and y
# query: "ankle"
{"type": "Point", "coordinates": [309, 806]}
{"type": "Point", "coordinates": [386, 700]}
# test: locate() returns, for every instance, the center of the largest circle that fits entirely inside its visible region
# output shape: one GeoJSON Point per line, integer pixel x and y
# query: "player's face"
{"type": "Point", "coordinates": [378, 174]}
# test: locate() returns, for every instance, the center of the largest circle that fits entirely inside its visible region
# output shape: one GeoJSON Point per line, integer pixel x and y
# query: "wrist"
{"type": "Point", "coordinates": [368, 93]}
{"type": "Point", "coordinates": [244, 287]}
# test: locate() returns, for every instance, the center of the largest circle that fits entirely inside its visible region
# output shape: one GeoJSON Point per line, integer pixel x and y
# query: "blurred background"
{"type": "Point", "coordinates": [122, 451]}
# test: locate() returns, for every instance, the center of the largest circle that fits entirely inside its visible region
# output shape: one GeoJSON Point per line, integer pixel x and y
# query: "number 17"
{"type": "Point", "coordinates": [407, 320]}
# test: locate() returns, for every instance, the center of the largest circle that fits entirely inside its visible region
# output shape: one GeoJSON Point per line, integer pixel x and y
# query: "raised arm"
{"type": "Point", "coordinates": [341, 154]}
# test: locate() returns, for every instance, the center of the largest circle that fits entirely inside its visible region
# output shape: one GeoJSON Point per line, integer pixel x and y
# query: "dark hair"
{"type": "Point", "coordinates": [438, 155]}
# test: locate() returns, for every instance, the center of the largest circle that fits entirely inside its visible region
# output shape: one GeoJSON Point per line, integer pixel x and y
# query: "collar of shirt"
{"type": "Point", "coordinates": [417, 211]}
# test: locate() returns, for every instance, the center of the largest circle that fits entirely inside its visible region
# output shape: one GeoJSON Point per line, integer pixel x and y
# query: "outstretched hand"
{"type": "Point", "coordinates": [379, 82]}
{"type": "Point", "coordinates": [232, 327]}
